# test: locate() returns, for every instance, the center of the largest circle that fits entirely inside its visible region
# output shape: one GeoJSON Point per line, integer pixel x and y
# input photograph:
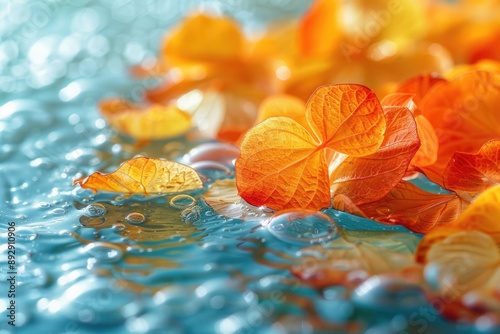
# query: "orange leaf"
{"type": "Point", "coordinates": [151, 123]}
{"type": "Point", "coordinates": [144, 176]}
{"type": "Point", "coordinates": [283, 166]}
{"type": "Point", "coordinates": [414, 208]}
{"type": "Point", "coordinates": [482, 215]}
{"type": "Point", "coordinates": [419, 86]}
{"type": "Point", "coordinates": [319, 29]}
{"type": "Point", "coordinates": [464, 113]}
{"type": "Point", "coordinates": [190, 39]}
{"type": "Point", "coordinates": [347, 118]}
{"type": "Point", "coordinates": [369, 178]}
{"type": "Point", "coordinates": [473, 173]}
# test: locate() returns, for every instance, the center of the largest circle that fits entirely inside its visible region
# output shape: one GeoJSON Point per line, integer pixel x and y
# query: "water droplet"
{"type": "Point", "coordinates": [303, 227]}
{"type": "Point", "coordinates": [95, 210]}
{"type": "Point", "coordinates": [57, 211]}
{"type": "Point", "coordinates": [135, 218]}
{"type": "Point", "coordinates": [104, 251]}
{"type": "Point", "coordinates": [182, 201]}
{"type": "Point", "coordinates": [384, 210]}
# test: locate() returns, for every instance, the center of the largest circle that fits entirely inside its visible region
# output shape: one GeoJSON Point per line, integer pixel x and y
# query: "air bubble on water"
{"type": "Point", "coordinates": [303, 227]}
{"type": "Point", "coordinates": [135, 218]}
{"type": "Point", "coordinates": [95, 210]}
{"type": "Point", "coordinates": [192, 214]}
{"type": "Point", "coordinates": [104, 251]}
{"type": "Point", "coordinates": [182, 201]}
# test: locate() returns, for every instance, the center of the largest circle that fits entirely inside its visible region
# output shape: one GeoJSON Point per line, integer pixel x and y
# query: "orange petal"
{"type": "Point", "coordinates": [464, 113]}
{"type": "Point", "coordinates": [347, 118]}
{"type": "Point", "coordinates": [144, 176]}
{"type": "Point", "coordinates": [190, 40]}
{"type": "Point", "coordinates": [319, 31]}
{"type": "Point", "coordinates": [473, 173]}
{"type": "Point", "coordinates": [281, 167]}
{"type": "Point", "coordinates": [369, 178]}
{"type": "Point", "coordinates": [151, 123]}
{"type": "Point", "coordinates": [414, 208]}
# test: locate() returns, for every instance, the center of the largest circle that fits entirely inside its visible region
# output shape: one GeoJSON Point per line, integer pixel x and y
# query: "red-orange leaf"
{"type": "Point", "coordinates": [283, 166]}
{"type": "Point", "coordinates": [144, 176]}
{"type": "Point", "coordinates": [464, 113]}
{"type": "Point", "coordinates": [414, 208]}
{"type": "Point", "coordinates": [369, 178]}
{"type": "Point", "coordinates": [473, 173]}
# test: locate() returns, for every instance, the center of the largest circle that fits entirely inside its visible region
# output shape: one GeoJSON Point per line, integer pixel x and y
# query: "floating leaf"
{"type": "Point", "coordinates": [223, 197]}
{"type": "Point", "coordinates": [464, 114]}
{"type": "Point", "coordinates": [369, 178]}
{"type": "Point", "coordinates": [410, 206]}
{"type": "Point", "coordinates": [352, 258]}
{"type": "Point", "coordinates": [151, 123]}
{"type": "Point", "coordinates": [144, 176]}
{"type": "Point", "coordinates": [473, 173]}
{"type": "Point", "coordinates": [282, 165]}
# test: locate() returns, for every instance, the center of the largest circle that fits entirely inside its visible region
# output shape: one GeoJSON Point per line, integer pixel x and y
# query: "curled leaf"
{"type": "Point", "coordinates": [144, 176]}
{"type": "Point", "coordinates": [150, 123]}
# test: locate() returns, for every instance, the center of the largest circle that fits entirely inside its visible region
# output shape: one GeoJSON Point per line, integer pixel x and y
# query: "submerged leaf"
{"type": "Point", "coordinates": [222, 196]}
{"type": "Point", "coordinates": [354, 257]}
{"type": "Point", "coordinates": [144, 176]}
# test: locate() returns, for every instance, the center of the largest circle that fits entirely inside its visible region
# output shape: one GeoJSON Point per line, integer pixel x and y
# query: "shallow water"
{"type": "Point", "coordinates": [165, 264]}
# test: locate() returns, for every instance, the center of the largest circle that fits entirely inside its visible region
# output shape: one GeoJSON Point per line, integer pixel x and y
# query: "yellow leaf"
{"type": "Point", "coordinates": [144, 176]}
{"type": "Point", "coordinates": [151, 123]}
